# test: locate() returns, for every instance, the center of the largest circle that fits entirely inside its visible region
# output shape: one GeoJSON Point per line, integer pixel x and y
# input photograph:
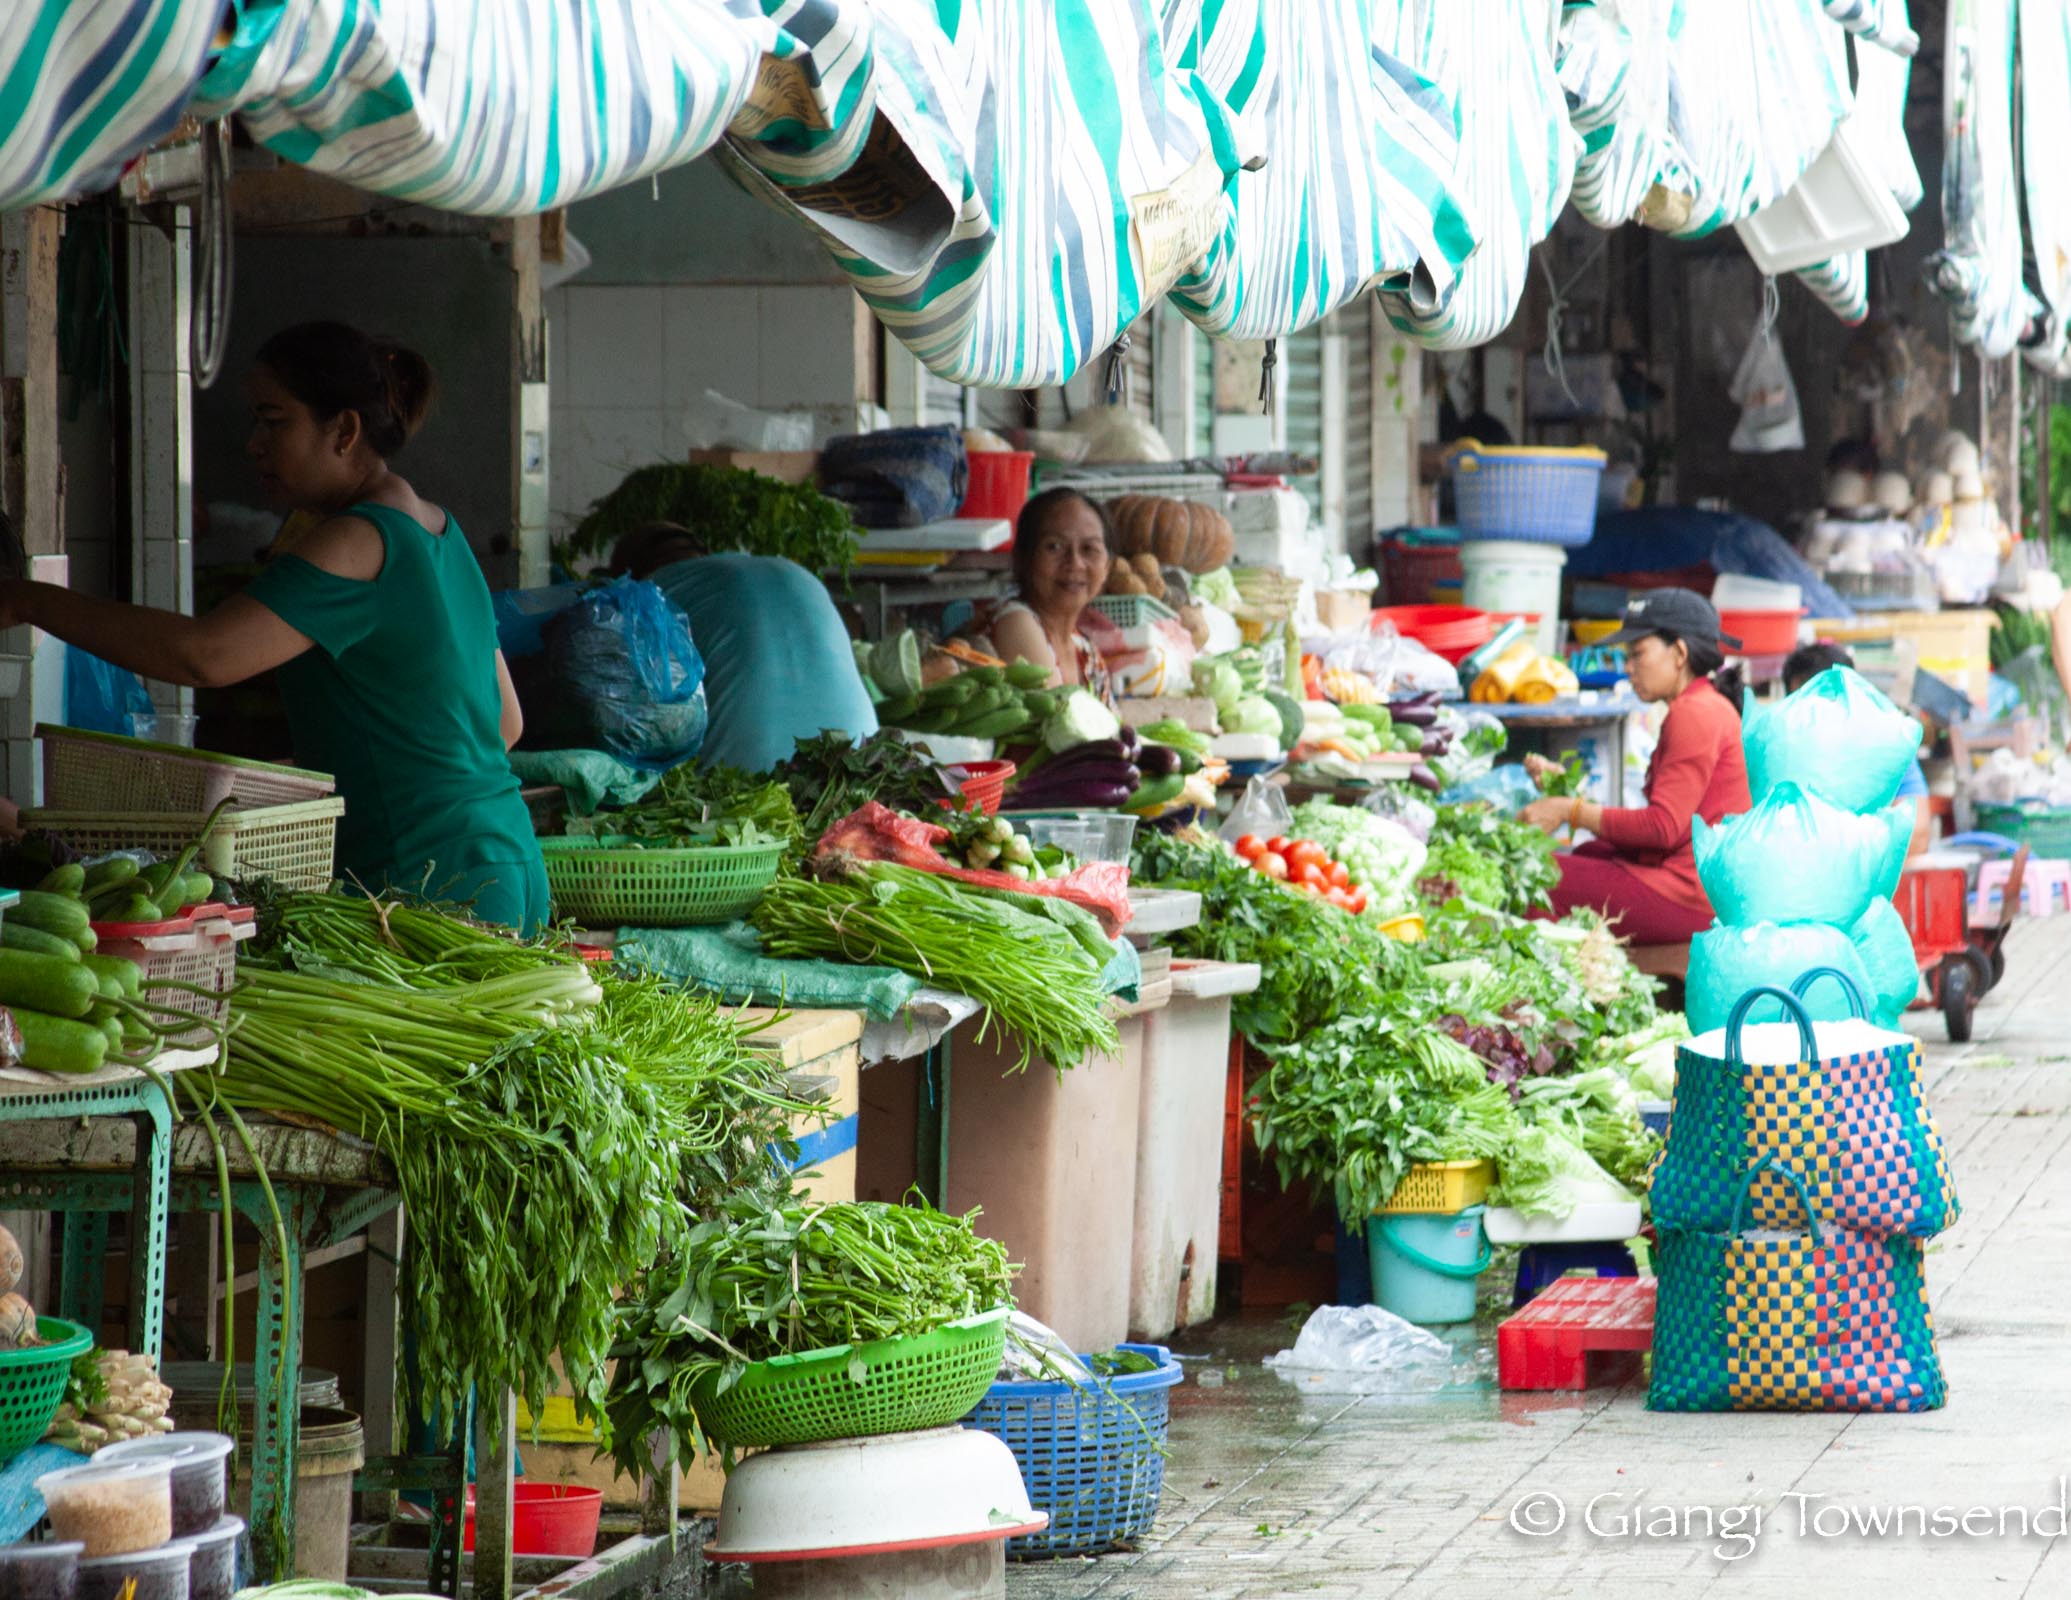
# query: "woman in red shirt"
{"type": "Point", "coordinates": [1640, 871]}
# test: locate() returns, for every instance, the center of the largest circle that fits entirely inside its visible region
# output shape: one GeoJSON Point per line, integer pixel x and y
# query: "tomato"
{"type": "Point", "coordinates": [1279, 844]}
{"type": "Point", "coordinates": [1273, 864]}
{"type": "Point", "coordinates": [1356, 902]}
{"type": "Point", "coordinates": [1310, 874]}
{"type": "Point", "coordinates": [1309, 889]}
{"type": "Point", "coordinates": [1338, 898]}
{"type": "Point", "coordinates": [1307, 853]}
{"type": "Point", "coordinates": [1250, 847]}
{"type": "Point", "coordinates": [1339, 877]}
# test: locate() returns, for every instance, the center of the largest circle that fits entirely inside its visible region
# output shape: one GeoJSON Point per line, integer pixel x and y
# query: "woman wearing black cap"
{"type": "Point", "coordinates": [1641, 870]}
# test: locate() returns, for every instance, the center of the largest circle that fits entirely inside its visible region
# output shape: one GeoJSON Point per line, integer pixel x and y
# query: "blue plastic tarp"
{"type": "Point", "coordinates": [1669, 538]}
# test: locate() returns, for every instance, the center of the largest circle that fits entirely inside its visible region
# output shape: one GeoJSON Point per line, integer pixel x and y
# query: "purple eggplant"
{"type": "Point", "coordinates": [1158, 761]}
{"type": "Point", "coordinates": [1436, 742]}
{"type": "Point", "coordinates": [1092, 751]}
{"type": "Point", "coordinates": [1424, 778]}
{"type": "Point", "coordinates": [1077, 797]}
{"type": "Point", "coordinates": [1414, 716]}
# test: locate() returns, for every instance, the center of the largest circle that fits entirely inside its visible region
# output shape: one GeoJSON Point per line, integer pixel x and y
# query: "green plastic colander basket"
{"type": "Point", "coordinates": [32, 1383]}
{"type": "Point", "coordinates": [852, 1391]}
{"type": "Point", "coordinates": [611, 882]}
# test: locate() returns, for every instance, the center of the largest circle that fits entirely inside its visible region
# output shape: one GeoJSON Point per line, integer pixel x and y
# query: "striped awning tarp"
{"type": "Point", "coordinates": [2045, 47]}
{"type": "Point", "coordinates": [84, 88]}
{"type": "Point", "coordinates": [1357, 188]}
{"type": "Point", "coordinates": [1613, 65]}
{"type": "Point", "coordinates": [1496, 58]}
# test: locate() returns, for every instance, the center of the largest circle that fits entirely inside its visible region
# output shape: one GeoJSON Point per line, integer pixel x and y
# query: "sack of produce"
{"type": "Point", "coordinates": [897, 477]}
{"type": "Point", "coordinates": [1726, 962]}
{"type": "Point", "coordinates": [1880, 938]}
{"type": "Point", "coordinates": [522, 616]}
{"type": "Point", "coordinates": [1838, 737]}
{"type": "Point", "coordinates": [1798, 858]}
{"type": "Point", "coordinates": [623, 676]}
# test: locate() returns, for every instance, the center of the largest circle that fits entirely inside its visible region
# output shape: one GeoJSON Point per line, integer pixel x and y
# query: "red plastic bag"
{"type": "Point", "coordinates": [877, 833]}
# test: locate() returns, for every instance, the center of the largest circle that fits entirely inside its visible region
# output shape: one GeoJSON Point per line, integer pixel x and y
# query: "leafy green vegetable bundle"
{"type": "Point", "coordinates": [1487, 860]}
{"type": "Point", "coordinates": [730, 509]}
{"type": "Point", "coordinates": [548, 1135]}
{"type": "Point", "coordinates": [1034, 962]}
{"type": "Point", "coordinates": [777, 1279]}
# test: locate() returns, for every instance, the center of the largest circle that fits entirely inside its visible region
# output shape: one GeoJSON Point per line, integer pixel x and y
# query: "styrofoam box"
{"type": "Point", "coordinates": [1599, 1221]}
{"type": "Point", "coordinates": [1842, 204]}
{"type": "Point", "coordinates": [1271, 527]}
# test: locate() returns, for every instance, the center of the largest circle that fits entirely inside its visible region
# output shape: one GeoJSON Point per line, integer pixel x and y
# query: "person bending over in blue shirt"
{"type": "Point", "coordinates": [778, 663]}
{"type": "Point", "coordinates": [1808, 662]}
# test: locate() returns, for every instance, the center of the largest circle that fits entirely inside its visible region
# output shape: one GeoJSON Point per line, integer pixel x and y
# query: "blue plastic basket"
{"type": "Point", "coordinates": [1529, 495]}
{"type": "Point", "coordinates": [1092, 1455]}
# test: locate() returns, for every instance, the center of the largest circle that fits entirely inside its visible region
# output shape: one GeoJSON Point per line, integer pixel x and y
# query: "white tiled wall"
{"type": "Point", "coordinates": [625, 360]}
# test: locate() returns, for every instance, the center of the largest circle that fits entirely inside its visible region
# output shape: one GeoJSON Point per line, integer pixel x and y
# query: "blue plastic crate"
{"type": "Point", "coordinates": [1092, 1455]}
{"type": "Point", "coordinates": [1525, 494]}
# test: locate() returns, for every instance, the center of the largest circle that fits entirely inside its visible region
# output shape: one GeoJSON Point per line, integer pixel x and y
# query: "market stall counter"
{"type": "Point", "coordinates": [1592, 723]}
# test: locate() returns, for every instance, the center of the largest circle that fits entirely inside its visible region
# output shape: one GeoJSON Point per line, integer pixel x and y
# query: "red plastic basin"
{"type": "Point", "coordinates": [1454, 632]}
{"type": "Point", "coordinates": [1762, 633]}
{"type": "Point", "coordinates": [547, 1519]}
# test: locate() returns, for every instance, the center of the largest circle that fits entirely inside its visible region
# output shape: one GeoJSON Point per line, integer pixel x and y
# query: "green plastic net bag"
{"type": "Point", "coordinates": [1838, 737]}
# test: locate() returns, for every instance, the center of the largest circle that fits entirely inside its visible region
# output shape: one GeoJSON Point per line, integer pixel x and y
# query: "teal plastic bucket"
{"type": "Point", "coordinates": [1425, 1267]}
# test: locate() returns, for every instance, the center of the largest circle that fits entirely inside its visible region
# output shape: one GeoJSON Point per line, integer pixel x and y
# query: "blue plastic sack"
{"type": "Point", "coordinates": [522, 616]}
{"type": "Point", "coordinates": [102, 697]}
{"type": "Point", "coordinates": [1726, 962]}
{"type": "Point", "coordinates": [626, 676]}
{"type": "Point", "coordinates": [1886, 949]}
{"type": "Point", "coordinates": [1799, 858]}
{"type": "Point", "coordinates": [1839, 737]}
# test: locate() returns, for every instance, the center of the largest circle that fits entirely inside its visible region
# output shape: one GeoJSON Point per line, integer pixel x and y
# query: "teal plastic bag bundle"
{"type": "Point", "coordinates": [1798, 858]}
{"type": "Point", "coordinates": [1839, 737]}
{"type": "Point", "coordinates": [1886, 949]}
{"type": "Point", "coordinates": [1726, 962]}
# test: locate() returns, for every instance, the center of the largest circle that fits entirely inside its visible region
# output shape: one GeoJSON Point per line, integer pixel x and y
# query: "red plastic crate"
{"type": "Point", "coordinates": [1933, 903]}
{"type": "Point", "coordinates": [1548, 1345]}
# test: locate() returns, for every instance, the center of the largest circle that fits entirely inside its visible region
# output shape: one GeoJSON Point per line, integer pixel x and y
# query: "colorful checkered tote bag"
{"type": "Point", "coordinates": [1813, 1318]}
{"type": "Point", "coordinates": [1842, 1107]}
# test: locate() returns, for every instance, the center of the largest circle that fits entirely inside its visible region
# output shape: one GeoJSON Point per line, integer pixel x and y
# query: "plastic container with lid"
{"type": "Point", "coordinates": [212, 1568]}
{"type": "Point", "coordinates": [159, 1574]}
{"type": "Point", "coordinates": [200, 1465]}
{"type": "Point", "coordinates": [39, 1571]}
{"type": "Point", "coordinates": [112, 1507]}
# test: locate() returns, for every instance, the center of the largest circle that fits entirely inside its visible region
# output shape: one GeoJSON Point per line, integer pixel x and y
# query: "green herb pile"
{"type": "Point", "coordinates": [778, 1279]}
{"type": "Point", "coordinates": [831, 776]}
{"type": "Point", "coordinates": [549, 1136]}
{"type": "Point", "coordinates": [694, 803]}
{"type": "Point", "coordinates": [728, 509]}
{"type": "Point", "coordinates": [1487, 860]}
{"type": "Point", "coordinates": [1034, 962]}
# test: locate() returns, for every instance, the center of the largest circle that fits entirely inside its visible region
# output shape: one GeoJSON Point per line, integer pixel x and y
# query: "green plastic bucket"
{"type": "Point", "coordinates": [1425, 1267]}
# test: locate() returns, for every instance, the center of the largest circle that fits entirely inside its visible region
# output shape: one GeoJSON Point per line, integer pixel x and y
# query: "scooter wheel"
{"type": "Point", "coordinates": [1959, 999]}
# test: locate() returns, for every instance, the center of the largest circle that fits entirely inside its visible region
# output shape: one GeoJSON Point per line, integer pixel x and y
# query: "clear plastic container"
{"type": "Point", "coordinates": [200, 1465]}
{"type": "Point", "coordinates": [1086, 835]}
{"type": "Point", "coordinates": [39, 1571]}
{"type": "Point", "coordinates": [160, 1574]}
{"type": "Point", "coordinates": [212, 1570]}
{"type": "Point", "coordinates": [112, 1508]}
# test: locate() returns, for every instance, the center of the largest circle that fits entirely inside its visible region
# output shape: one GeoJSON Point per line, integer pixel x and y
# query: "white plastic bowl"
{"type": "Point", "coordinates": [850, 1497]}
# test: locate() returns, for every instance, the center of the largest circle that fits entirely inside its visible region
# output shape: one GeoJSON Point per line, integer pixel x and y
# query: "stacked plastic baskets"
{"type": "Point", "coordinates": [1092, 1454]}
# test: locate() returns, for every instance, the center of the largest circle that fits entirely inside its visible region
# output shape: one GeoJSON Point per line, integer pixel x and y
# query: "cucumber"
{"type": "Point", "coordinates": [198, 888]}
{"type": "Point", "coordinates": [116, 869]}
{"type": "Point", "coordinates": [53, 913]}
{"type": "Point", "coordinates": [59, 1044]}
{"type": "Point", "coordinates": [111, 1029]}
{"type": "Point", "coordinates": [20, 936]}
{"type": "Point", "coordinates": [892, 710]}
{"type": "Point", "coordinates": [1028, 675]}
{"type": "Point", "coordinates": [118, 979]}
{"type": "Point", "coordinates": [996, 725]}
{"type": "Point", "coordinates": [138, 908]}
{"type": "Point", "coordinates": [69, 880]}
{"type": "Point", "coordinates": [46, 983]}
{"type": "Point", "coordinates": [87, 940]}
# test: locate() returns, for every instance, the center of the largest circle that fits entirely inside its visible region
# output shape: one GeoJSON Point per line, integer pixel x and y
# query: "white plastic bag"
{"type": "Point", "coordinates": [1370, 1344]}
{"type": "Point", "coordinates": [713, 422]}
{"type": "Point", "coordinates": [1762, 388]}
{"type": "Point", "coordinates": [1263, 810]}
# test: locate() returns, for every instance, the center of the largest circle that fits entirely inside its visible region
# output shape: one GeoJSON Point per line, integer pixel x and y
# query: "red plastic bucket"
{"type": "Point", "coordinates": [547, 1519]}
{"type": "Point", "coordinates": [1762, 633]}
{"type": "Point", "coordinates": [998, 484]}
{"type": "Point", "coordinates": [1454, 632]}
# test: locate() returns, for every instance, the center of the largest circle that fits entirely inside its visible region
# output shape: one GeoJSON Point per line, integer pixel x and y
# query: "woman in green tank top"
{"type": "Point", "coordinates": [379, 623]}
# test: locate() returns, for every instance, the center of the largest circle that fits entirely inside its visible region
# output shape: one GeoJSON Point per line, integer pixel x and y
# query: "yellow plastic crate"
{"type": "Point", "coordinates": [1441, 1187]}
{"type": "Point", "coordinates": [296, 845]}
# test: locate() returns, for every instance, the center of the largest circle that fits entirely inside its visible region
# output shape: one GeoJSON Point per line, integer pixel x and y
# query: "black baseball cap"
{"type": "Point", "coordinates": [1682, 613]}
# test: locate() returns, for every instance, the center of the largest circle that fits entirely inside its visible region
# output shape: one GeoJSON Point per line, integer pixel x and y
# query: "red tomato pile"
{"type": "Point", "coordinates": [1305, 865]}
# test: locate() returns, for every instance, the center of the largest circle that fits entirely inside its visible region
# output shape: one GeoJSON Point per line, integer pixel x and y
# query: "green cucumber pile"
{"type": "Point", "coordinates": [978, 703]}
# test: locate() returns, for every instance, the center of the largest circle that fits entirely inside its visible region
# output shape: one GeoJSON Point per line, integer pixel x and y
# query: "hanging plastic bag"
{"type": "Point", "coordinates": [1762, 388]}
{"type": "Point", "coordinates": [1392, 802]}
{"type": "Point", "coordinates": [102, 697]}
{"type": "Point", "coordinates": [1838, 737]}
{"type": "Point", "coordinates": [1886, 949]}
{"type": "Point", "coordinates": [622, 675]}
{"type": "Point", "coordinates": [1263, 810]}
{"type": "Point", "coordinates": [1796, 858]}
{"type": "Point", "coordinates": [522, 615]}
{"type": "Point", "coordinates": [1726, 962]}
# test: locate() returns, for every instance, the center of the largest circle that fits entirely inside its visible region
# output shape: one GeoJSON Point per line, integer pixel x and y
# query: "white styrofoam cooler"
{"type": "Point", "coordinates": [1842, 204]}
{"type": "Point", "coordinates": [1179, 1148]}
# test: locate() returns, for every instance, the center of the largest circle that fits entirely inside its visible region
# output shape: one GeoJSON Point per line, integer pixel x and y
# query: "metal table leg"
{"type": "Point", "coordinates": [277, 1374]}
{"type": "Point", "coordinates": [150, 1218]}
{"type": "Point", "coordinates": [82, 1289]}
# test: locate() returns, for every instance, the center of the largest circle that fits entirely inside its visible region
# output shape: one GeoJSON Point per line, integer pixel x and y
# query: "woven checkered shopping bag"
{"type": "Point", "coordinates": [1811, 1318]}
{"type": "Point", "coordinates": [1847, 1114]}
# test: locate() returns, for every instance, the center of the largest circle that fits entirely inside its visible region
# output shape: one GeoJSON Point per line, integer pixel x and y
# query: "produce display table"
{"type": "Point", "coordinates": [121, 1151]}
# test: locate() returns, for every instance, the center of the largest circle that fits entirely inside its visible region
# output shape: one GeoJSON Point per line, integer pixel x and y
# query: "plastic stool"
{"type": "Point", "coordinates": [2041, 887]}
{"type": "Point", "coordinates": [1541, 1264]}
